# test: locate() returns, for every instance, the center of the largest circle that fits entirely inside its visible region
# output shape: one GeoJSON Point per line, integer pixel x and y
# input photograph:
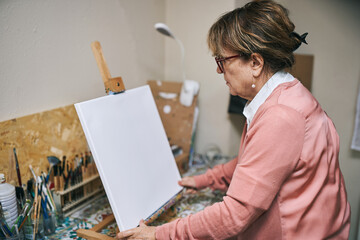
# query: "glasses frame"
{"type": "Point", "coordinates": [219, 61]}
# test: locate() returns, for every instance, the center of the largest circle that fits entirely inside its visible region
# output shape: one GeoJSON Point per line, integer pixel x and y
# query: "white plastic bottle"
{"type": "Point", "coordinates": [8, 201]}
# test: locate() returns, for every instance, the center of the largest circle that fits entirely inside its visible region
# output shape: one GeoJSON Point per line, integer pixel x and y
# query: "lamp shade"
{"type": "Point", "coordinates": [164, 29]}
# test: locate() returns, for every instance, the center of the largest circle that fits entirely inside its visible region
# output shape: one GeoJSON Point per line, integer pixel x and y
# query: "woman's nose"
{"type": "Point", "coordinates": [218, 70]}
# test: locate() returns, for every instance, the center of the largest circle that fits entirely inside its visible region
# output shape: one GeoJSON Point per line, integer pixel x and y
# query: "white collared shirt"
{"type": "Point", "coordinates": [251, 108]}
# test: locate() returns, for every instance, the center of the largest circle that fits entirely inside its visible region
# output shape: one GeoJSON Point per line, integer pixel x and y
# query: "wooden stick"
{"type": "Point", "coordinates": [116, 84]}
{"type": "Point", "coordinates": [92, 235]}
{"type": "Point", "coordinates": [104, 223]}
{"type": "Point", "coordinates": [51, 198]}
{"type": "Point", "coordinates": [35, 207]}
{"type": "Point", "coordinates": [38, 213]}
{"type": "Point", "coordinates": [100, 60]}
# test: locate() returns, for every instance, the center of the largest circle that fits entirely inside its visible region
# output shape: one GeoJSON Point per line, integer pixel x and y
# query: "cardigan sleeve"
{"type": "Point", "coordinates": [218, 177]}
{"type": "Point", "coordinates": [272, 149]}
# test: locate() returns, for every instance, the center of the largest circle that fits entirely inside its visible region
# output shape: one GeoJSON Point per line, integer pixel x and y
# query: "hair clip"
{"type": "Point", "coordinates": [301, 38]}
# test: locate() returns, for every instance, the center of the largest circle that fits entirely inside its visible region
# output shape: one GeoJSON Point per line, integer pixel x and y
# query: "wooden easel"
{"type": "Point", "coordinates": [112, 86]}
{"type": "Point", "coordinates": [93, 233]}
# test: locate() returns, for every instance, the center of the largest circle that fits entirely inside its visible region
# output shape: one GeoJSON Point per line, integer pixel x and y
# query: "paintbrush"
{"type": "Point", "coordinates": [26, 217]}
{"type": "Point", "coordinates": [52, 161]}
{"type": "Point", "coordinates": [35, 206]}
{"type": "Point", "coordinates": [62, 174]}
{"type": "Point", "coordinates": [17, 167]}
{"type": "Point", "coordinates": [56, 179]}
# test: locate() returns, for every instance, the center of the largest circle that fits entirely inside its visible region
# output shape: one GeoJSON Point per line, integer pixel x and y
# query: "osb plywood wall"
{"type": "Point", "coordinates": [178, 122]}
{"type": "Point", "coordinates": [52, 133]}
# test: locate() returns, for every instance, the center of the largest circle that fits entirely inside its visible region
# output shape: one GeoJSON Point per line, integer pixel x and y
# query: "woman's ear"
{"type": "Point", "coordinates": [257, 64]}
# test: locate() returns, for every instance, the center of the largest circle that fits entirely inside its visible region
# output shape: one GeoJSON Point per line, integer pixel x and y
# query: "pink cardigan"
{"type": "Point", "coordinates": [285, 183]}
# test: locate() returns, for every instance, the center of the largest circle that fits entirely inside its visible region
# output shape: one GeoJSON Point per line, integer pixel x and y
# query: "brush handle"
{"type": "Point", "coordinates": [17, 167]}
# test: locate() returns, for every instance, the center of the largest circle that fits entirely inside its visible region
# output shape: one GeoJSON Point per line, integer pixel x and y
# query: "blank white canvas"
{"type": "Point", "coordinates": [132, 153]}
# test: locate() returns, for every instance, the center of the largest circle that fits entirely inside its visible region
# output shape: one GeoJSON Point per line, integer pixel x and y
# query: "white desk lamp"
{"type": "Point", "coordinates": [190, 87]}
{"type": "Point", "coordinates": [164, 29]}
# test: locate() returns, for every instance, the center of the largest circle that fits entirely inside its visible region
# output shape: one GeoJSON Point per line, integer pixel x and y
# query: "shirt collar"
{"type": "Point", "coordinates": [251, 108]}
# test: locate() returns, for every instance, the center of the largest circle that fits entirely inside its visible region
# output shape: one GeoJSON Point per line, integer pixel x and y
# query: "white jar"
{"type": "Point", "coordinates": [8, 201]}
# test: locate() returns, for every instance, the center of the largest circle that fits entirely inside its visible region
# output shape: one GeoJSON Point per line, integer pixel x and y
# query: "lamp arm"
{"type": "Point", "coordinates": [182, 57]}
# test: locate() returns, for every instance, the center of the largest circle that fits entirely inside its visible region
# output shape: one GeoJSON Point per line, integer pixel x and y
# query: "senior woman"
{"type": "Point", "coordinates": [286, 182]}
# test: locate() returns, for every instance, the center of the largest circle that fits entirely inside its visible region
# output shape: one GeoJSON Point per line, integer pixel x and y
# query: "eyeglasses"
{"type": "Point", "coordinates": [219, 61]}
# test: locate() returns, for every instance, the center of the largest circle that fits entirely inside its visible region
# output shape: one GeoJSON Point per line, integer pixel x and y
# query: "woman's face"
{"type": "Point", "coordinates": [238, 76]}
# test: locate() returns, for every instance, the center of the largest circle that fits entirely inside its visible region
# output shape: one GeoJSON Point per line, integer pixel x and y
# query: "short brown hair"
{"type": "Point", "coordinates": [260, 27]}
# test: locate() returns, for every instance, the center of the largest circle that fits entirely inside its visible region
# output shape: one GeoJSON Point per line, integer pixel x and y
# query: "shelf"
{"type": "Point", "coordinates": [74, 203]}
{"type": "Point", "coordinates": [78, 185]}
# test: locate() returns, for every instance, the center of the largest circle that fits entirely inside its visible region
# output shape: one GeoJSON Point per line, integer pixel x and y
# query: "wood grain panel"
{"type": "Point", "coordinates": [56, 132]}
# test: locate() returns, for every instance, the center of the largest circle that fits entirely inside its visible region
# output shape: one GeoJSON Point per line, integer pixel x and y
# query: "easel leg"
{"type": "Point", "coordinates": [93, 234]}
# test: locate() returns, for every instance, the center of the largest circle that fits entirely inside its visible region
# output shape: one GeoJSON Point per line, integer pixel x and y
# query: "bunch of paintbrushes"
{"type": "Point", "coordinates": [74, 178]}
{"type": "Point", "coordinates": [42, 199]}
{"type": "Point", "coordinates": [68, 173]}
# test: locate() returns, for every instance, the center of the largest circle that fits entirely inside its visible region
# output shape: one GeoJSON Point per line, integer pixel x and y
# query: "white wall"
{"type": "Point", "coordinates": [46, 59]}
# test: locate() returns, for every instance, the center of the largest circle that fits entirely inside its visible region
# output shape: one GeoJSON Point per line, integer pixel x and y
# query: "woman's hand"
{"type": "Point", "coordinates": [141, 232]}
{"type": "Point", "coordinates": [189, 183]}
